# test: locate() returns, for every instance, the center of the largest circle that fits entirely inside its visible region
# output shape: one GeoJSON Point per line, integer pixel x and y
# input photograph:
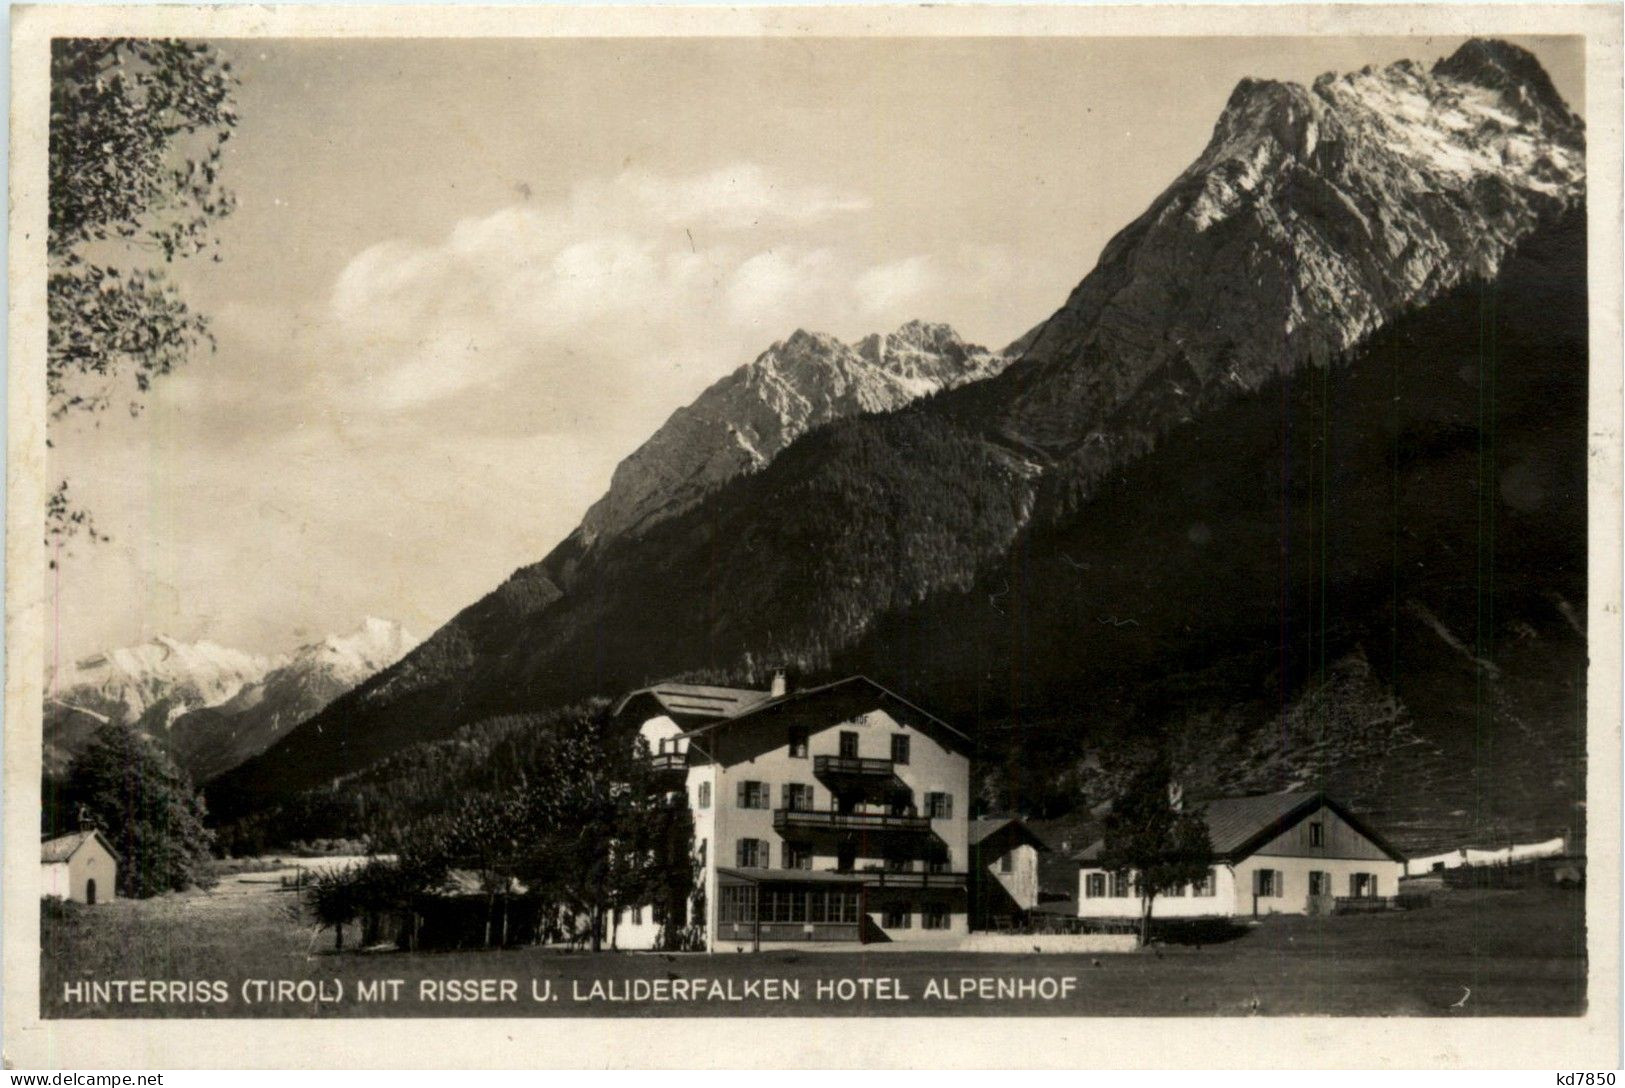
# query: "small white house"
{"type": "Point", "coordinates": [82, 867]}
{"type": "Point", "coordinates": [1279, 853]}
{"type": "Point", "coordinates": [1003, 869]}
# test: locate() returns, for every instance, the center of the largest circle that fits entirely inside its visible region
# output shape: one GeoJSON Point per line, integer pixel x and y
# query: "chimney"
{"type": "Point", "coordinates": [779, 686]}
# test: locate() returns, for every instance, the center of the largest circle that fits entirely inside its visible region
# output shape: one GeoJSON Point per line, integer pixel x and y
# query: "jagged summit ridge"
{"type": "Point", "coordinates": [745, 419]}
{"type": "Point", "coordinates": [1313, 217]}
{"type": "Point", "coordinates": [1513, 72]}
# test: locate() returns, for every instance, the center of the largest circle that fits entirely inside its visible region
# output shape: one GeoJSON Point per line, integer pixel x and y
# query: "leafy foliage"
{"type": "Point", "coordinates": [136, 134]}
{"type": "Point", "coordinates": [1146, 835]}
{"type": "Point", "coordinates": [123, 784]}
{"type": "Point", "coordinates": [333, 899]}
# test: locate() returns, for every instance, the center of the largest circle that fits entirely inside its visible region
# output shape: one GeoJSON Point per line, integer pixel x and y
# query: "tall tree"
{"type": "Point", "coordinates": [137, 131]}
{"type": "Point", "coordinates": [1149, 835]}
{"type": "Point", "coordinates": [652, 860]}
{"type": "Point", "coordinates": [123, 784]}
{"type": "Point", "coordinates": [577, 803]}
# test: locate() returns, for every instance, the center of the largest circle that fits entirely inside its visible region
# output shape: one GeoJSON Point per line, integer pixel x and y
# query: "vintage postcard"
{"type": "Point", "coordinates": [965, 536]}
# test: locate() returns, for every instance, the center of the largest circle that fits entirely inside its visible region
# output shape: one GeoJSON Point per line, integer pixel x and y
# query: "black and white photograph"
{"type": "Point", "coordinates": [630, 526]}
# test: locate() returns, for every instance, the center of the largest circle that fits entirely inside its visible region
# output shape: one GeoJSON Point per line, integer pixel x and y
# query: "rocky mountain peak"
{"type": "Point", "coordinates": [1312, 218]}
{"type": "Point", "coordinates": [1515, 74]}
{"type": "Point", "coordinates": [745, 419]}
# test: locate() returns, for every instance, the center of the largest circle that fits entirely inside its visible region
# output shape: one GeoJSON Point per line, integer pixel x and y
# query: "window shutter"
{"type": "Point", "coordinates": [740, 791]}
{"type": "Point", "coordinates": [1280, 882]}
{"type": "Point", "coordinates": [947, 806]}
{"type": "Point", "coordinates": [784, 796]}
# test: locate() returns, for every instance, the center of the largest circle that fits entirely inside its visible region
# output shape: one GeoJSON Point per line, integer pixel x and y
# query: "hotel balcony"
{"type": "Point", "coordinates": [858, 778]}
{"type": "Point", "coordinates": [668, 769]}
{"type": "Point", "coordinates": [792, 819]}
{"type": "Point", "coordinates": [852, 767]}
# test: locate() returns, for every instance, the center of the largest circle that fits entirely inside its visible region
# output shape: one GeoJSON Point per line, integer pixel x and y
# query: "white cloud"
{"type": "Point", "coordinates": [612, 306]}
{"type": "Point", "coordinates": [907, 281]}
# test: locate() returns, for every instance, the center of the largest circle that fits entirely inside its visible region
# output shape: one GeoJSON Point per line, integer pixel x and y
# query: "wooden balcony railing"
{"type": "Point", "coordinates": [668, 762]}
{"type": "Point", "coordinates": [854, 766]}
{"type": "Point", "coordinates": [791, 819]}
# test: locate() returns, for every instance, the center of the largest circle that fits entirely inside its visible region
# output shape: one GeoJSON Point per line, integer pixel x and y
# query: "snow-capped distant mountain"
{"type": "Point", "coordinates": [153, 683]}
{"type": "Point", "coordinates": [208, 705]}
{"type": "Point", "coordinates": [742, 421]}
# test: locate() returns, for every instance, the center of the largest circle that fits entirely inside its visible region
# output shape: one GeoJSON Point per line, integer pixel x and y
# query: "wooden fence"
{"type": "Point", "coordinates": [1372, 904]}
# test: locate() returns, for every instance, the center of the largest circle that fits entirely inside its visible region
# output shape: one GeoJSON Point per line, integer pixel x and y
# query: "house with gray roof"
{"type": "Point", "coordinates": [81, 867]}
{"type": "Point", "coordinates": [1278, 853]}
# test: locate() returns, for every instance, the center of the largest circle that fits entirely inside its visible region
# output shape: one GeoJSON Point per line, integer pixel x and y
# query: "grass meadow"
{"type": "Point", "coordinates": [1473, 953]}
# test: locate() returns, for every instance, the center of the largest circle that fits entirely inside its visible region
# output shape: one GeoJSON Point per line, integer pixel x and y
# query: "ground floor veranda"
{"type": "Point", "coordinates": [776, 906]}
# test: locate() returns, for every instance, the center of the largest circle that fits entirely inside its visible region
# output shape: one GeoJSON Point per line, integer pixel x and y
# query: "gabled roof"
{"type": "Point", "coordinates": [806, 696]}
{"type": "Point", "coordinates": [986, 828]}
{"type": "Point", "coordinates": [1237, 826]}
{"type": "Point", "coordinates": [64, 847]}
{"type": "Point", "coordinates": [697, 700]}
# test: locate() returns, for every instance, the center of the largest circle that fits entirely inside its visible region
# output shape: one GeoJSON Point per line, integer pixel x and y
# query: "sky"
{"type": "Point", "coordinates": [466, 277]}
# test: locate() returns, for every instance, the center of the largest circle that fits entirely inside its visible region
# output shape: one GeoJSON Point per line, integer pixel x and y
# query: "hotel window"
{"type": "Point", "coordinates": [899, 748]}
{"type": "Point", "coordinates": [896, 918]}
{"type": "Point", "coordinates": [1320, 883]}
{"type": "Point", "coordinates": [1122, 886]}
{"type": "Point", "coordinates": [849, 745]}
{"type": "Point", "coordinates": [737, 905]}
{"type": "Point", "coordinates": [1094, 886]}
{"type": "Point", "coordinates": [637, 916]}
{"type": "Point", "coordinates": [753, 794]}
{"type": "Point", "coordinates": [1267, 883]}
{"type": "Point", "coordinates": [1317, 833]}
{"type": "Point", "coordinates": [798, 797]}
{"type": "Point", "coordinates": [1363, 885]}
{"type": "Point", "coordinates": [798, 742]}
{"type": "Point", "coordinates": [1006, 862]}
{"type": "Point", "coordinates": [704, 795]}
{"type": "Point", "coordinates": [1205, 886]}
{"type": "Point", "coordinates": [939, 806]}
{"type": "Point", "coordinates": [751, 854]}
{"type": "Point", "coordinates": [935, 916]}
{"type": "Point", "coordinates": [797, 855]}
{"type": "Point", "coordinates": [785, 905]}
